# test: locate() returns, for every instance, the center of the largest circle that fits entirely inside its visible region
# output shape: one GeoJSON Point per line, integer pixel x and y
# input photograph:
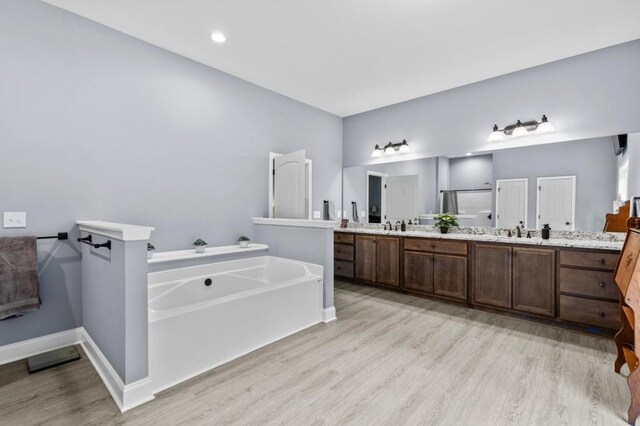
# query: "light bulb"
{"type": "Point", "coordinates": [496, 135]}
{"type": "Point", "coordinates": [545, 126]}
{"type": "Point", "coordinates": [376, 153]}
{"type": "Point", "coordinates": [404, 148]}
{"type": "Point", "coordinates": [218, 37]}
{"type": "Point", "coordinates": [519, 131]}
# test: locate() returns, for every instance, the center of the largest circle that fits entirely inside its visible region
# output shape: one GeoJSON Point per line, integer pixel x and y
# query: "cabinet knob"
{"type": "Point", "coordinates": [337, 267]}
{"type": "Point", "coordinates": [601, 284]}
{"type": "Point", "coordinates": [602, 261]}
{"type": "Point", "coordinates": [338, 250]}
{"type": "Point", "coordinates": [601, 314]}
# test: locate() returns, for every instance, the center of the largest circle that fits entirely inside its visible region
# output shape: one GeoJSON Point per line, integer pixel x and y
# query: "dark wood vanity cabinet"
{"type": "Point", "coordinates": [418, 271]}
{"type": "Point", "coordinates": [518, 278]}
{"type": "Point", "coordinates": [377, 259]}
{"type": "Point", "coordinates": [450, 276]}
{"type": "Point", "coordinates": [534, 280]}
{"type": "Point", "coordinates": [436, 267]}
{"type": "Point", "coordinates": [492, 275]}
{"type": "Point", "coordinates": [565, 284]}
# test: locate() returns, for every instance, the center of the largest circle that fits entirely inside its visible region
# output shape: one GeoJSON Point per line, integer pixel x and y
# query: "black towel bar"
{"type": "Point", "coordinates": [89, 240]}
{"type": "Point", "coordinates": [60, 236]}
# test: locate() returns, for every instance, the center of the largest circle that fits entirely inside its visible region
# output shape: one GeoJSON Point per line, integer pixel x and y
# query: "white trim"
{"type": "Point", "coordinates": [118, 231]}
{"type": "Point", "coordinates": [272, 156]}
{"type": "Point", "coordinates": [573, 200]}
{"type": "Point", "coordinates": [300, 223]}
{"type": "Point", "coordinates": [526, 199]}
{"type": "Point", "coordinates": [39, 345]}
{"type": "Point", "coordinates": [169, 256]}
{"type": "Point", "coordinates": [329, 314]}
{"type": "Point", "coordinates": [382, 195]}
{"type": "Point", "coordinates": [126, 397]}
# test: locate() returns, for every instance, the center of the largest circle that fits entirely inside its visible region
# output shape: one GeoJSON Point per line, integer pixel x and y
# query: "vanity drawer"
{"type": "Point", "coordinates": [437, 246]}
{"type": "Point", "coordinates": [341, 237]}
{"type": "Point", "coordinates": [590, 312]}
{"type": "Point", "coordinates": [588, 283]}
{"type": "Point", "coordinates": [585, 259]}
{"type": "Point", "coordinates": [343, 269]}
{"type": "Point", "coordinates": [343, 252]}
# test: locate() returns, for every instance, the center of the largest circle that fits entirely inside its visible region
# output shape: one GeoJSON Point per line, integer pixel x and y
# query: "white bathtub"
{"type": "Point", "coordinates": [194, 327]}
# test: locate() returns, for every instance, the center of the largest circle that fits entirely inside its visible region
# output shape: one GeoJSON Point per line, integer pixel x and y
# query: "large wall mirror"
{"type": "Point", "coordinates": [568, 185]}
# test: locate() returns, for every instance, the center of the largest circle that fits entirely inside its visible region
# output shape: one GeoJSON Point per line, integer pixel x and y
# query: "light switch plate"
{"type": "Point", "coordinates": [316, 214]}
{"type": "Point", "coordinates": [14, 220]}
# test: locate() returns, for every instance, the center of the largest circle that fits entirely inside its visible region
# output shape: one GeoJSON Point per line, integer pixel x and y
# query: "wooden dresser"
{"type": "Point", "coordinates": [627, 278]}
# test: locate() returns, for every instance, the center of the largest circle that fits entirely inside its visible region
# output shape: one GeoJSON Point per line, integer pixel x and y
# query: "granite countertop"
{"type": "Point", "coordinates": [600, 240]}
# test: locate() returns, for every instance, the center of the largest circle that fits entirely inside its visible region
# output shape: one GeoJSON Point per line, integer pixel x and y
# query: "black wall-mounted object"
{"type": "Point", "coordinates": [619, 144]}
{"type": "Point", "coordinates": [89, 241]}
{"type": "Point", "coordinates": [60, 236]}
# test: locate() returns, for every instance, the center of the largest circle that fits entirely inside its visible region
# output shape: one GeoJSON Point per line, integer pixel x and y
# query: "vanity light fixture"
{"type": "Point", "coordinates": [521, 129]}
{"type": "Point", "coordinates": [390, 149]}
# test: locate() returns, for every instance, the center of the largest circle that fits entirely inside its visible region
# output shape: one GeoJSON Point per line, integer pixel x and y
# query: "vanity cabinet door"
{"type": "Point", "coordinates": [366, 257]}
{"type": "Point", "coordinates": [492, 275]}
{"type": "Point", "coordinates": [450, 276]}
{"type": "Point", "coordinates": [418, 271]}
{"type": "Point", "coordinates": [534, 280]}
{"type": "Point", "coordinates": [388, 261]}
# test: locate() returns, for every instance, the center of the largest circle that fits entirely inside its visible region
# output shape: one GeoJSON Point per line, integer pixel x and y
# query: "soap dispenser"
{"type": "Point", "coordinates": [546, 230]}
{"type": "Point", "coordinates": [403, 226]}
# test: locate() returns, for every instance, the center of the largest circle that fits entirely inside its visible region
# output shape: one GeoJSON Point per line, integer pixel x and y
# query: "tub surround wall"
{"type": "Point", "coordinates": [308, 241]}
{"type": "Point", "coordinates": [162, 261]}
{"type": "Point", "coordinates": [125, 130]}
{"type": "Point", "coordinates": [114, 305]}
{"type": "Point", "coordinates": [586, 96]}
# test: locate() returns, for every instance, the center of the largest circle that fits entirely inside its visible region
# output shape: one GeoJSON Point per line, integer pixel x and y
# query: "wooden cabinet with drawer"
{"type": "Point", "coordinates": [436, 267]}
{"type": "Point", "coordinates": [343, 255]}
{"type": "Point", "coordinates": [588, 293]}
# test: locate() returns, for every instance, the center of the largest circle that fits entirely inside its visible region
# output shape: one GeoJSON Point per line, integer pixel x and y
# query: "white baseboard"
{"type": "Point", "coordinates": [329, 314]}
{"type": "Point", "coordinates": [39, 345]}
{"type": "Point", "coordinates": [126, 397]}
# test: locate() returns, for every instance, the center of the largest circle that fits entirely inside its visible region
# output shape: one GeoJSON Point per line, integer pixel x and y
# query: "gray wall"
{"type": "Point", "coordinates": [587, 96]}
{"type": "Point", "coordinates": [355, 182]}
{"type": "Point", "coordinates": [98, 125]}
{"type": "Point", "coordinates": [470, 172]}
{"type": "Point", "coordinates": [313, 245]}
{"type": "Point", "coordinates": [592, 162]}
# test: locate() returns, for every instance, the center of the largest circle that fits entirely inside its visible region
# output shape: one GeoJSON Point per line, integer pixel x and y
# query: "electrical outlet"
{"type": "Point", "coordinates": [362, 213]}
{"type": "Point", "coordinates": [15, 220]}
{"type": "Point", "coordinates": [316, 214]}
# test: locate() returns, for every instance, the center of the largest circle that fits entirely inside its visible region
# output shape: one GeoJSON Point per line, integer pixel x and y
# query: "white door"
{"type": "Point", "coordinates": [401, 197]}
{"type": "Point", "coordinates": [289, 183]}
{"type": "Point", "coordinates": [511, 203]}
{"type": "Point", "coordinates": [557, 202]}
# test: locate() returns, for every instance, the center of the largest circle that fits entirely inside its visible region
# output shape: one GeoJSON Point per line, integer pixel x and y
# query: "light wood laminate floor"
{"type": "Point", "coordinates": [390, 359]}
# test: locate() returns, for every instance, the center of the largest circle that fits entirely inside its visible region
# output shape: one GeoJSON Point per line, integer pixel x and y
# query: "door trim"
{"type": "Point", "coordinates": [309, 172]}
{"type": "Point", "coordinates": [573, 200]}
{"type": "Point", "coordinates": [526, 198]}
{"type": "Point", "coordinates": [382, 195]}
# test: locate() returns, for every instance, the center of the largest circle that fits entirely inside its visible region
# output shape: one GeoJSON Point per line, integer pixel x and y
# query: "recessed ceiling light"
{"type": "Point", "coordinates": [218, 37]}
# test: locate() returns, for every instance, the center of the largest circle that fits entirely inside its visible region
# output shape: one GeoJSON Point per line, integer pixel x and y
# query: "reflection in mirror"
{"type": "Point", "coordinates": [568, 185]}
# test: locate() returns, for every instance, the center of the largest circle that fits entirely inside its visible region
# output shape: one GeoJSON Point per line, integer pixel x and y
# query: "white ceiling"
{"type": "Point", "coordinates": [350, 56]}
